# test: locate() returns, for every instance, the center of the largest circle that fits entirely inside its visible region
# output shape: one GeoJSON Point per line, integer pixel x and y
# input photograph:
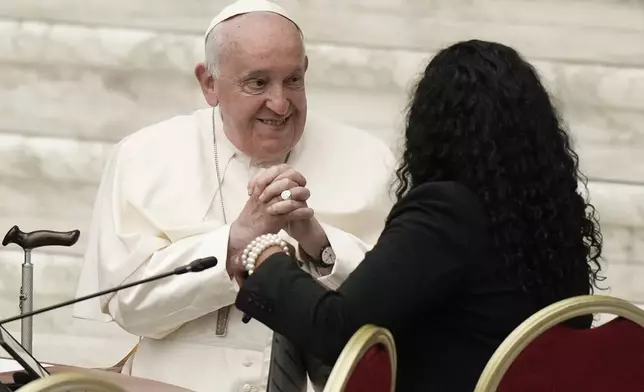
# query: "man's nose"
{"type": "Point", "coordinates": [277, 101]}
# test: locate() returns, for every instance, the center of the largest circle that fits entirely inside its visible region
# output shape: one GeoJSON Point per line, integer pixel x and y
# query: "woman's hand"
{"type": "Point", "coordinates": [239, 272]}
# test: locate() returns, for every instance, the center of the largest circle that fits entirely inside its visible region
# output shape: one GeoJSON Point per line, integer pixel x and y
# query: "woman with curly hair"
{"type": "Point", "coordinates": [489, 227]}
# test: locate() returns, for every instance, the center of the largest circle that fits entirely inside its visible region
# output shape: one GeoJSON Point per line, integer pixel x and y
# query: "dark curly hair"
{"type": "Point", "coordinates": [481, 117]}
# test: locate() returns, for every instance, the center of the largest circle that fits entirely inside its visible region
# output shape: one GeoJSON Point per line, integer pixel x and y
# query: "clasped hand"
{"type": "Point", "coordinates": [266, 212]}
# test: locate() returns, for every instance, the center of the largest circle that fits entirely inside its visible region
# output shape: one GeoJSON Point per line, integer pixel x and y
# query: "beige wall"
{"type": "Point", "coordinates": [76, 76]}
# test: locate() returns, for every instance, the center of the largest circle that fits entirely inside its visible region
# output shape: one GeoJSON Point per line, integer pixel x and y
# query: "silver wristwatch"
{"type": "Point", "coordinates": [327, 256]}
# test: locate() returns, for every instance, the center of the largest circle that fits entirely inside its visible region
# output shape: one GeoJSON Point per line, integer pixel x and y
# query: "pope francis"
{"type": "Point", "coordinates": [200, 185]}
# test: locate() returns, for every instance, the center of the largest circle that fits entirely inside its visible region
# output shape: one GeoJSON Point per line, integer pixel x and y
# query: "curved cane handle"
{"type": "Point", "coordinates": [36, 239]}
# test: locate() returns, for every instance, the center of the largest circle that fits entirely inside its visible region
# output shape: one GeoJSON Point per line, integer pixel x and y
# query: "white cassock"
{"type": "Point", "coordinates": [158, 207]}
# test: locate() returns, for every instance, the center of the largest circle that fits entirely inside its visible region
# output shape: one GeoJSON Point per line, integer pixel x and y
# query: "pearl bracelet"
{"type": "Point", "coordinates": [259, 245]}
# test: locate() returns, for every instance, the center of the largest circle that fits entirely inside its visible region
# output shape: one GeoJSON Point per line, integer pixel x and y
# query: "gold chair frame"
{"type": "Point", "coordinates": [542, 321]}
{"type": "Point", "coordinates": [365, 338]}
{"type": "Point", "coordinates": [70, 382]}
{"type": "Point", "coordinates": [120, 364]}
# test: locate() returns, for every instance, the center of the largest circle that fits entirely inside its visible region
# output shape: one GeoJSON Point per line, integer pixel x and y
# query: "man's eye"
{"type": "Point", "coordinates": [296, 81]}
{"type": "Point", "coordinates": [256, 84]}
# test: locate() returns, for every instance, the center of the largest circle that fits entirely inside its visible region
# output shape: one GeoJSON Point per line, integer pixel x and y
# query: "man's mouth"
{"type": "Point", "coordinates": [273, 122]}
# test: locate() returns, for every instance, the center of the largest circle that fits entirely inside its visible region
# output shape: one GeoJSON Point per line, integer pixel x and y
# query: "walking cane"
{"type": "Point", "coordinates": [29, 241]}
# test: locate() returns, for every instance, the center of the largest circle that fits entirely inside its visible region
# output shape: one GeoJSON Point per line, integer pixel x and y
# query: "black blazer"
{"type": "Point", "coordinates": [432, 279]}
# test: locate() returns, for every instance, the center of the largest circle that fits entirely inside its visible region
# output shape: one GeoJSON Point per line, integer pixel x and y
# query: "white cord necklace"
{"type": "Point", "coordinates": [219, 181]}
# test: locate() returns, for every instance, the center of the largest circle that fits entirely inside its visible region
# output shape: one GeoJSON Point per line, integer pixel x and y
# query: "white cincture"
{"type": "Point", "coordinates": [259, 245]}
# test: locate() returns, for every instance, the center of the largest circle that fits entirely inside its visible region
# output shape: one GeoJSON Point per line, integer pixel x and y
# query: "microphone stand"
{"type": "Point", "coordinates": [195, 266]}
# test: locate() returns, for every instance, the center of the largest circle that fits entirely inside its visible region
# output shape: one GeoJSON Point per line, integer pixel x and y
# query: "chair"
{"type": "Point", "coordinates": [542, 355]}
{"type": "Point", "coordinates": [367, 363]}
{"type": "Point", "coordinates": [70, 382]}
{"type": "Point", "coordinates": [120, 365]}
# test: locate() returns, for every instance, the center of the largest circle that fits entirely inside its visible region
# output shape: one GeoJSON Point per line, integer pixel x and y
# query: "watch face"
{"type": "Point", "coordinates": [328, 256]}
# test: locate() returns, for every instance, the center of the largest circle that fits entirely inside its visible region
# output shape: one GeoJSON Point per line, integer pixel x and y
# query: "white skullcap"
{"type": "Point", "coordinates": [246, 6]}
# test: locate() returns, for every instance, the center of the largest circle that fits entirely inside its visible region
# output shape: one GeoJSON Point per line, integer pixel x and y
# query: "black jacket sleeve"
{"type": "Point", "coordinates": [421, 258]}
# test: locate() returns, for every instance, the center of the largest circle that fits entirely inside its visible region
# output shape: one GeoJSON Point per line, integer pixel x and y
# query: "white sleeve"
{"type": "Point", "coordinates": [126, 245]}
{"type": "Point", "coordinates": [157, 308]}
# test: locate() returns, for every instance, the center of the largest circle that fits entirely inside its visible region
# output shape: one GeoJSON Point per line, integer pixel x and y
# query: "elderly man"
{"type": "Point", "coordinates": [202, 184]}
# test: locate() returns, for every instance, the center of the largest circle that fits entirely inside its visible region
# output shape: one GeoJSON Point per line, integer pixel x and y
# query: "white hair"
{"type": "Point", "coordinates": [213, 47]}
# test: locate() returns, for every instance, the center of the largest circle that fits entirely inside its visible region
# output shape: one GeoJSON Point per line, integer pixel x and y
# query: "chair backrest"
{"type": "Point", "coordinates": [543, 355]}
{"type": "Point", "coordinates": [367, 363]}
{"type": "Point", "coordinates": [118, 367]}
{"type": "Point", "coordinates": [70, 382]}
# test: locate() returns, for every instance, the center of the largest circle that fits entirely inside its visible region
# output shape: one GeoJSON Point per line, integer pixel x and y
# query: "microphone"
{"type": "Point", "coordinates": [195, 266]}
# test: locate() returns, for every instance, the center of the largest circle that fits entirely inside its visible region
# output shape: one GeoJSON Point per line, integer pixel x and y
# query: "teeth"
{"type": "Point", "coordinates": [274, 122]}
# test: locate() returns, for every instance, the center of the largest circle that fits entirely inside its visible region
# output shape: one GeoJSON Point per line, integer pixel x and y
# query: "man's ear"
{"type": "Point", "coordinates": [306, 63]}
{"type": "Point", "coordinates": [208, 84]}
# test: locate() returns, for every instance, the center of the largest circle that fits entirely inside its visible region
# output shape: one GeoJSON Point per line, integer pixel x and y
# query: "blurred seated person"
{"type": "Point", "coordinates": [489, 227]}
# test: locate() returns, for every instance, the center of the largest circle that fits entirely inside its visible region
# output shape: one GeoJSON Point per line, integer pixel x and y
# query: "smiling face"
{"type": "Point", "coordinates": [260, 85]}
